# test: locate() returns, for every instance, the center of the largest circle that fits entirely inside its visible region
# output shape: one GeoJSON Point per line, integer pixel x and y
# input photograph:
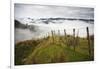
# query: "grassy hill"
{"type": "Point", "coordinates": [55, 49]}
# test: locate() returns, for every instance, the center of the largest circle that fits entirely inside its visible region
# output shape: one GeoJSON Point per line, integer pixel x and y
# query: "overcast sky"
{"type": "Point", "coordinates": [45, 11]}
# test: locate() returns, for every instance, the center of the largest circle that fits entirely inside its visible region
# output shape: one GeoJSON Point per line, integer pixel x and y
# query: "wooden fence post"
{"type": "Point", "coordinates": [52, 35]}
{"type": "Point", "coordinates": [77, 39]}
{"type": "Point", "coordinates": [74, 38]}
{"type": "Point", "coordinates": [65, 36]}
{"type": "Point", "coordinates": [65, 33]}
{"type": "Point", "coordinates": [88, 38]}
{"type": "Point", "coordinates": [58, 35]}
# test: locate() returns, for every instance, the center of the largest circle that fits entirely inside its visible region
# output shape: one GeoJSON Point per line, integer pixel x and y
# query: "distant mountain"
{"type": "Point", "coordinates": [18, 24]}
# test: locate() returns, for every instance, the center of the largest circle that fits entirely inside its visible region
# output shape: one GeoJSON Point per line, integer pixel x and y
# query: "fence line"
{"type": "Point", "coordinates": [74, 41]}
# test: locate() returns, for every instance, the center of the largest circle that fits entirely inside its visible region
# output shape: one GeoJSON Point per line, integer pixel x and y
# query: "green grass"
{"type": "Point", "coordinates": [46, 51]}
{"type": "Point", "coordinates": [23, 49]}
{"type": "Point", "coordinates": [48, 54]}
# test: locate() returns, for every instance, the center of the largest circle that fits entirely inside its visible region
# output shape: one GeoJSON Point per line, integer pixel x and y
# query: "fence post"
{"type": "Point", "coordinates": [58, 35]}
{"type": "Point", "coordinates": [77, 39]}
{"type": "Point", "coordinates": [88, 38]}
{"type": "Point", "coordinates": [52, 35]}
{"type": "Point", "coordinates": [74, 38]}
{"type": "Point", "coordinates": [65, 35]}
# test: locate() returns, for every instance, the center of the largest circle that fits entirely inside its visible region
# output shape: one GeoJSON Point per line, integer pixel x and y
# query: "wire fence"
{"type": "Point", "coordinates": [72, 38]}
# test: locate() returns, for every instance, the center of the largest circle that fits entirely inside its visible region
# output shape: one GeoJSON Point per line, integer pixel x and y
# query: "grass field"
{"type": "Point", "coordinates": [55, 49]}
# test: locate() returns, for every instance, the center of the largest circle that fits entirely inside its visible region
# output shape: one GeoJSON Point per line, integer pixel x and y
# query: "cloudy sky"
{"type": "Point", "coordinates": [46, 11]}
